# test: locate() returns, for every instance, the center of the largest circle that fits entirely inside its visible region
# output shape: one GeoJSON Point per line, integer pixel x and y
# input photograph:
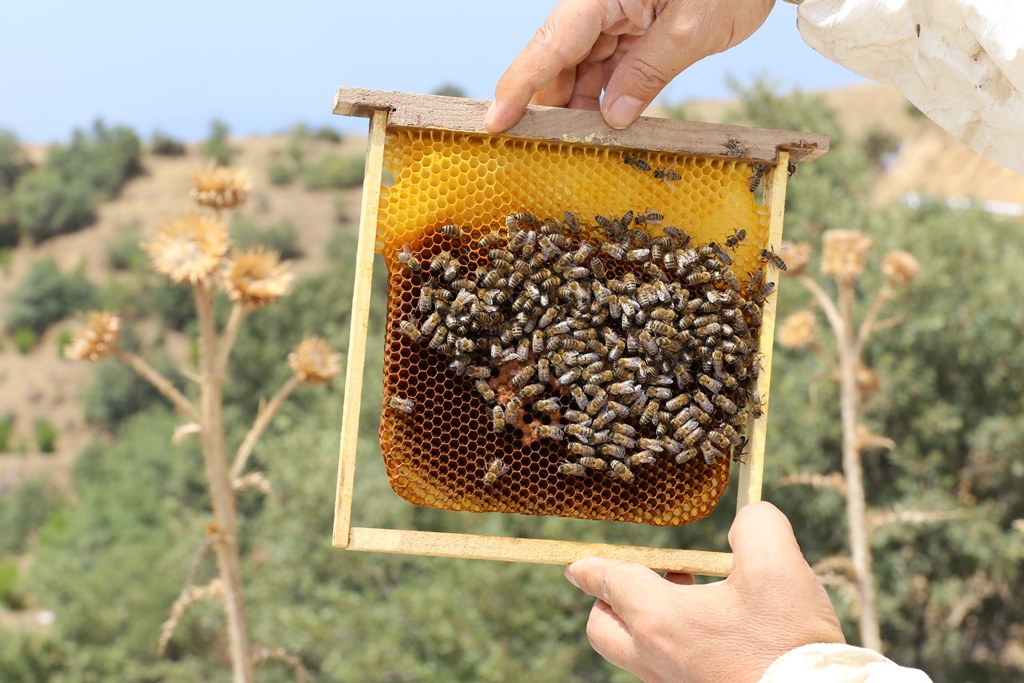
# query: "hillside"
{"type": "Point", "coordinates": [40, 384]}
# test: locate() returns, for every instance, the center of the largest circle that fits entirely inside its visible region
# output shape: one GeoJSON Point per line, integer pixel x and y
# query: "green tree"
{"type": "Point", "coordinates": [47, 295]}
{"type": "Point", "coordinates": [218, 147]}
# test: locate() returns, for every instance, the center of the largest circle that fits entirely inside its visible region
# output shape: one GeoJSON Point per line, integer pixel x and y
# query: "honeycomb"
{"type": "Point", "coordinates": [439, 455]}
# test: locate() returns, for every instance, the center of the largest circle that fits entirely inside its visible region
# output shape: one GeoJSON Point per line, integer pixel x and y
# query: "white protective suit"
{"type": "Point", "coordinates": [961, 62]}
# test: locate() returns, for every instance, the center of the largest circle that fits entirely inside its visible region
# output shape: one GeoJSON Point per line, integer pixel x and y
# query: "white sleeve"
{"type": "Point", "coordinates": [834, 663]}
{"type": "Point", "coordinates": [961, 62]}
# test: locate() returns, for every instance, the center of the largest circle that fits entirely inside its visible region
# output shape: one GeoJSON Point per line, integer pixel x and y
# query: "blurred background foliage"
{"type": "Point", "coordinates": [111, 561]}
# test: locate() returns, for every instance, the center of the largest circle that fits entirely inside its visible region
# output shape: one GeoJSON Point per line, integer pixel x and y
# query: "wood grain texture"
{"type": "Point", "coordinates": [359, 326]}
{"type": "Point", "coordinates": [584, 127]}
{"type": "Point", "coordinates": [538, 551]}
{"type": "Point", "coordinates": [752, 472]}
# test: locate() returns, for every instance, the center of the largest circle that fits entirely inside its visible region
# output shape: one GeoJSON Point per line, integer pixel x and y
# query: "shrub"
{"type": "Point", "coordinates": [449, 90]}
{"type": "Point", "coordinates": [104, 160]}
{"type": "Point", "coordinates": [45, 296]}
{"type": "Point", "coordinates": [64, 340]}
{"type": "Point", "coordinates": [217, 146]}
{"type": "Point", "coordinates": [334, 171]}
{"type": "Point", "coordinates": [46, 204]}
{"type": "Point", "coordinates": [6, 425]}
{"type": "Point", "coordinates": [13, 162]}
{"type": "Point", "coordinates": [24, 339]}
{"type": "Point", "coordinates": [9, 597]}
{"type": "Point", "coordinates": [117, 392]}
{"type": "Point", "coordinates": [125, 253]}
{"type": "Point", "coordinates": [281, 237]}
{"type": "Point", "coordinates": [280, 173]}
{"type": "Point", "coordinates": [46, 435]}
{"type": "Point", "coordinates": [165, 146]}
{"type": "Point", "coordinates": [6, 256]}
{"type": "Point", "coordinates": [172, 302]}
{"type": "Point", "coordinates": [23, 511]}
{"type": "Point", "coordinates": [327, 134]}
{"type": "Point", "coordinates": [9, 232]}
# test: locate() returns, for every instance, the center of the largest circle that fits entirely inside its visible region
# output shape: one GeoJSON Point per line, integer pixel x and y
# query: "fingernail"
{"type": "Point", "coordinates": [624, 111]}
{"type": "Point", "coordinates": [569, 577]}
{"type": "Point", "coordinates": [489, 117]}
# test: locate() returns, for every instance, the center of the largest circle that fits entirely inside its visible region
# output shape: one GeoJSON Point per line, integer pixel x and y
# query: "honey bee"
{"type": "Point", "coordinates": [547, 405]}
{"type": "Point", "coordinates": [725, 404]}
{"type": "Point", "coordinates": [655, 272]}
{"type": "Point", "coordinates": [531, 391]}
{"type": "Point", "coordinates": [766, 289]}
{"type": "Point", "coordinates": [649, 217]}
{"type": "Point", "coordinates": [523, 376]}
{"type": "Point", "coordinates": [701, 277]}
{"type": "Point", "coordinates": [451, 271]}
{"type": "Point", "coordinates": [495, 255]}
{"type": "Point", "coordinates": [771, 258]}
{"type": "Point", "coordinates": [650, 412]}
{"type": "Point", "coordinates": [790, 169]}
{"type": "Point", "coordinates": [756, 406]}
{"type": "Point", "coordinates": [731, 434]}
{"type": "Point", "coordinates": [623, 428]}
{"type": "Point", "coordinates": [638, 164]}
{"type": "Point", "coordinates": [485, 390]}
{"type": "Point", "coordinates": [592, 463]}
{"type": "Point", "coordinates": [582, 402]}
{"type": "Point", "coordinates": [576, 273]}
{"type": "Point", "coordinates": [612, 450]}
{"type": "Point", "coordinates": [623, 440]}
{"type": "Point", "coordinates": [709, 330]}
{"type": "Point", "coordinates": [677, 402]}
{"type": "Point", "coordinates": [710, 383]}
{"type": "Point", "coordinates": [734, 147]}
{"type": "Point", "coordinates": [667, 175]}
{"type": "Point", "coordinates": [572, 222]}
{"type": "Point", "coordinates": [581, 432]}
{"type": "Point", "coordinates": [440, 262]}
{"type": "Point", "coordinates": [543, 370]}
{"type": "Point", "coordinates": [406, 405]}
{"type": "Point", "coordinates": [730, 279]}
{"type": "Point", "coordinates": [409, 260]}
{"type": "Point", "coordinates": [411, 331]}
{"type": "Point", "coordinates": [597, 403]}
{"type": "Point", "coordinates": [580, 449]}
{"type": "Point", "coordinates": [686, 456]}
{"type": "Point", "coordinates": [641, 458]}
{"type": "Point", "coordinates": [701, 400]}
{"type": "Point", "coordinates": [488, 239]}
{"type": "Point", "coordinates": [549, 432]}
{"type": "Point", "coordinates": [734, 239]}
{"type": "Point", "coordinates": [524, 218]}
{"type": "Point", "coordinates": [440, 337]}
{"type": "Point", "coordinates": [690, 440]}
{"type": "Point", "coordinates": [452, 230]}
{"type": "Point", "coordinates": [723, 256]}
{"type": "Point", "coordinates": [614, 249]}
{"type": "Point", "coordinates": [756, 175]}
{"type": "Point", "coordinates": [573, 469]}
{"type": "Point", "coordinates": [710, 452]}
{"type": "Point", "coordinates": [620, 471]}
{"type": "Point", "coordinates": [719, 439]}
{"type": "Point", "coordinates": [637, 254]}
{"type": "Point", "coordinates": [477, 372]}
{"type": "Point", "coordinates": [496, 468]}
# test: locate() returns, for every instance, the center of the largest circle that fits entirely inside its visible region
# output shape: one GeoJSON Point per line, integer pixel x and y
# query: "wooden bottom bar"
{"type": "Point", "coordinates": [536, 550]}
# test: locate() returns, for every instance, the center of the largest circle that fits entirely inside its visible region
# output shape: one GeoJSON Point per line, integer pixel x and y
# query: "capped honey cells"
{"type": "Point", "coordinates": [568, 333]}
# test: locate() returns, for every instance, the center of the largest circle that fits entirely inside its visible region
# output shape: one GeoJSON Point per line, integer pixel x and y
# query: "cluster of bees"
{"type": "Point", "coordinates": [633, 349]}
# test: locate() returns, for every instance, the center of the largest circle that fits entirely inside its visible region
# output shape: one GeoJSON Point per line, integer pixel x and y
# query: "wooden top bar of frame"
{"type": "Point", "coordinates": [584, 127]}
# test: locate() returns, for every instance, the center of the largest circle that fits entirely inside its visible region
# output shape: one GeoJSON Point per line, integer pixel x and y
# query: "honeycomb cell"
{"type": "Point", "coordinates": [438, 455]}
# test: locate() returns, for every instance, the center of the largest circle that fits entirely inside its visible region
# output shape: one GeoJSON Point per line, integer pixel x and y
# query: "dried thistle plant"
{"type": "Point", "coordinates": [220, 187]}
{"type": "Point", "coordinates": [845, 255]}
{"type": "Point", "coordinates": [194, 250]}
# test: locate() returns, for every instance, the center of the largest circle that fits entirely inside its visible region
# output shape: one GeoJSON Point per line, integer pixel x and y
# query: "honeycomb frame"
{"type": "Point", "coordinates": [433, 115]}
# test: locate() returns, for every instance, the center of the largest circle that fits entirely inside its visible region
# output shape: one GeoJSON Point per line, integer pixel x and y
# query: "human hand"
{"type": "Point", "coordinates": [668, 629]}
{"type": "Point", "coordinates": [631, 48]}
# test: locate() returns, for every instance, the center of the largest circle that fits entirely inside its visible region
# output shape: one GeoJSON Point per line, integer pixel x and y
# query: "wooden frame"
{"type": "Point", "coordinates": [775, 148]}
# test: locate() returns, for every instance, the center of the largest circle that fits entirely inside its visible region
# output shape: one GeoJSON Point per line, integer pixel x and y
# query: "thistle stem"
{"type": "Point", "coordinates": [225, 536]}
{"type": "Point", "coordinates": [162, 384]}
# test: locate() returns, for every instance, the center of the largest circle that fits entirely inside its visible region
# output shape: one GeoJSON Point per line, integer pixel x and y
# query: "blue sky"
{"type": "Point", "coordinates": [263, 66]}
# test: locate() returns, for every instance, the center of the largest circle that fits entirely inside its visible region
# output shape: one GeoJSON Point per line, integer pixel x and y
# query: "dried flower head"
{"type": "Point", "coordinates": [188, 249]}
{"type": "Point", "coordinates": [97, 339]}
{"type": "Point", "coordinates": [844, 254]}
{"type": "Point", "coordinates": [799, 330]}
{"type": "Point", "coordinates": [868, 381]}
{"type": "Point", "coordinates": [256, 278]}
{"type": "Point", "coordinates": [899, 267]}
{"type": "Point", "coordinates": [797, 256]}
{"type": "Point", "coordinates": [312, 361]}
{"type": "Point", "coordinates": [220, 187]}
